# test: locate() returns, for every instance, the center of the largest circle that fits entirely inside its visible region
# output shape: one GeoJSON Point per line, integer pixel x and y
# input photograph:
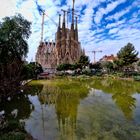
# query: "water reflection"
{"type": "Point", "coordinates": [64, 102]}
{"type": "Point", "coordinates": [20, 103]}
{"type": "Point", "coordinates": [79, 109]}
{"type": "Point", "coordinates": [126, 103]}
{"type": "Point", "coordinates": [122, 92]}
{"type": "Point", "coordinates": [76, 110]}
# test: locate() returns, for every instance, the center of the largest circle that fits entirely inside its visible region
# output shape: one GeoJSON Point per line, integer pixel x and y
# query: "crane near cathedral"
{"type": "Point", "coordinates": [65, 49]}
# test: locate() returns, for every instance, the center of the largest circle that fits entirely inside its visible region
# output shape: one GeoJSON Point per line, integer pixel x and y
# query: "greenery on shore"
{"type": "Point", "coordinates": [125, 65]}
{"type": "Point", "coordinates": [31, 70]}
{"type": "Point", "coordinates": [82, 63]}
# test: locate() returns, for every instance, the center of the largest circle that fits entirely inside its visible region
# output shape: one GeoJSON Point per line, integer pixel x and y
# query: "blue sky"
{"type": "Point", "coordinates": [105, 25]}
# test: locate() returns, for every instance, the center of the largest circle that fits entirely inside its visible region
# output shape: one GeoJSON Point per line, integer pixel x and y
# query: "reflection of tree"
{"type": "Point", "coordinates": [19, 102]}
{"type": "Point", "coordinates": [122, 93]}
{"type": "Point", "coordinates": [126, 103]}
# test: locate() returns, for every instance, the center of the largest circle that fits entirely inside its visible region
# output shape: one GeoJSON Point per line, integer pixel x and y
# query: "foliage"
{"type": "Point", "coordinates": [87, 71]}
{"type": "Point", "coordinates": [136, 78]}
{"type": "Point", "coordinates": [14, 32]}
{"type": "Point", "coordinates": [97, 66]}
{"type": "Point", "coordinates": [31, 70]}
{"type": "Point", "coordinates": [84, 60]}
{"type": "Point", "coordinates": [117, 65]}
{"type": "Point", "coordinates": [127, 55]}
{"type": "Point", "coordinates": [96, 69]}
{"type": "Point", "coordinates": [109, 66]}
{"type": "Point", "coordinates": [63, 67]}
{"type": "Point", "coordinates": [12, 130]}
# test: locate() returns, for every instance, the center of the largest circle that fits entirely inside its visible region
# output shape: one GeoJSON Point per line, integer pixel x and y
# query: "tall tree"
{"type": "Point", "coordinates": [127, 55]}
{"type": "Point", "coordinates": [14, 32]}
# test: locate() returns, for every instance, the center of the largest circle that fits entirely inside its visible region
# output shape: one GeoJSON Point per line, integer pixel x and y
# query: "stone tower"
{"type": "Point", "coordinates": [65, 49]}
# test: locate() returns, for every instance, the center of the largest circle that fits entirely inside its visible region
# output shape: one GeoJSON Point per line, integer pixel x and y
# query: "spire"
{"type": "Point", "coordinates": [76, 24]}
{"type": "Point", "coordinates": [59, 21]}
{"type": "Point", "coordinates": [73, 10]}
{"type": "Point", "coordinates": [68, 17]}
{"type": "Point", "coordinates": [64, 18]}
{"type": "Point", "coordinates": [76, 29]}
{"type": "Point", "coordinates": [72, 25]}
{"type": "Point", "coordinates": [59, 27]}
{"type": "Point", "coordinates": [64, 25]}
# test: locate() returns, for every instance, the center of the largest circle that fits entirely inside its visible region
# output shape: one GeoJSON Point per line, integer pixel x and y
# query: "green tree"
{"type": "Point", "coordinates": [63, 67]}
{"type": "Point", "coordinates": [127, 55]}
{"type": "Point", "coordinates": [31, 70]}
{"type": "Point", "coordinates": [14, 32]}
{"type": "Point", "coordinates": [109, 66]}
{"type": "Point", "coordinates": [117, 65]}
{"type": "Point", "coordinates": [84, 60]}
{"type": "Point", "coordinates": [97, 66]}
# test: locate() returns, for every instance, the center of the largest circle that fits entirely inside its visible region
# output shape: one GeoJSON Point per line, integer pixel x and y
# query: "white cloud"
{"type": "Point", "coordinates": [115, 24]}
{"type": "Point", "coordinates": [114, 30]}
{"type": "Point", "coordinates": [102, 11]}
{"type": "Point", "coordinates": [126, 31]}
{"type": "Point", "coordinates": [117, 15]}
{"type": "Point", "coordinates": [8, 7]}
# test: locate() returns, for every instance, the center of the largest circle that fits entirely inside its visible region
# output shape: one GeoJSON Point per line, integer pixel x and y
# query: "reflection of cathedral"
{"type": "Point", "coordinates": [65, 49]}
{"type": "Point", "coordinates": [66, 107]}
{"type": "Point", "coordinates": [65, 102]}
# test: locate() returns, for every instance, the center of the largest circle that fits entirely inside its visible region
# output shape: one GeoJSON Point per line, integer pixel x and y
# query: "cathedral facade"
{"type": "Point", "coordinates": [65, 49]}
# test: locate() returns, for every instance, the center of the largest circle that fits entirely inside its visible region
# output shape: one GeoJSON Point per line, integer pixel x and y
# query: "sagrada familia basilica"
{"type": "Point", "coordinates": [65, 49]}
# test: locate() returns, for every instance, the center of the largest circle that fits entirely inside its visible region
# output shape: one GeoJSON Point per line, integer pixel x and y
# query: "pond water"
{"type": "Point", "coordinates": [79, 109]}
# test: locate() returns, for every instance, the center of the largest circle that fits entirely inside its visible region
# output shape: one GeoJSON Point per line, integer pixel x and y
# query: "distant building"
{"type": "Point", "coordinates": [109, 58]}
{"type": "Point", "coordinates": [65, 49]}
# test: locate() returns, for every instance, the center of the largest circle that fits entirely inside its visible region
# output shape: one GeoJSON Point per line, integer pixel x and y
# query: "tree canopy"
{"type": "Point", "coordinates": [14, 32]}
{"type": "Point", "coordinates": [84, 60]}
{"type": "Point", "coordinates": [127, 55]}
{"type": "Point", "coordinates": [31, 70]}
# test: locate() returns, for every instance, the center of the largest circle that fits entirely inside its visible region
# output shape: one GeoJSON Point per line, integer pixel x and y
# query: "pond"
{"type": "Point", "coordinates": [79, 109]}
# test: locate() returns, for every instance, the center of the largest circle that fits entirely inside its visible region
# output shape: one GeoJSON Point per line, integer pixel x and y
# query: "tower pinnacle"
{"type": "Point", "coordinates": [59, 28]}
{"type": "Point", "coordinates": [76, 29]}
{"type": "Point", "coordinates": [64, 25]}
{"type": "Point", "coordinates": [76, 24]}
{"type": "Point", "coordinates": [59, 21]}
{"type": "Point", "coordinates": [64, 17]}
{"type": "Point", "coordinates": [72, 25]}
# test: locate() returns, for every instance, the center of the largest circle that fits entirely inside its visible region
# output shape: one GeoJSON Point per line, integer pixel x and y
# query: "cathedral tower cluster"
{"type": "Point", "coordinates": [65, 49]}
